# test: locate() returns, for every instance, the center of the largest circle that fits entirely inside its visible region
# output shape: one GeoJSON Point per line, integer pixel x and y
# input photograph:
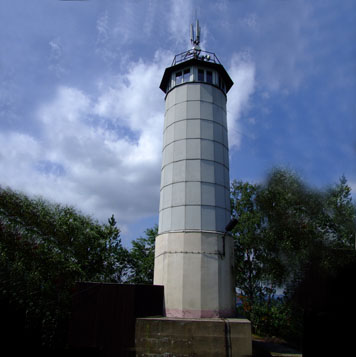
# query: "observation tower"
{"type": "Point", "coordinates": [194, 253]}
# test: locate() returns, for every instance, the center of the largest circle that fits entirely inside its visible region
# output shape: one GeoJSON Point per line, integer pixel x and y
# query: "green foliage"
{"type": "Point", "coordinates": [340, 215]}
{"type": "Point", "coordinates": [294, 215]}
{"type": "Point", "coordinates": [304, 222]}
{"type": "Point", "coordinates": [284, 226]}
{"type": "Point", "coordinates": [251, 254]}
{"type": "Point", "coordinates": [141, 260]}
{"type": "Point", "coordinates": [273, 317]}
{"type": "Point", "coordinates": [44, 249]}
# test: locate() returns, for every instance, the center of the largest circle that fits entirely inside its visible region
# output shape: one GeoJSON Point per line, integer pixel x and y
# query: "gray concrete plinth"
{"type": "Point", "coordinates": [165, 336]}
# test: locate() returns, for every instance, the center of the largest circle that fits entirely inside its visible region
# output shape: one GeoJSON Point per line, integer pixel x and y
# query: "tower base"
{"type": "Point", "coordinates": [196, 270]}
{"type": "Point", "coordinates": [193, 337]}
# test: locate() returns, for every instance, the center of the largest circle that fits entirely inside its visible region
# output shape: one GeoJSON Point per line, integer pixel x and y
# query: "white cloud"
{"type": "Point", "coordinates": [250, 21]}
{"type": "Point", "coordinates": [17, 149]}
{"type": "Point", "coordinates": [283, 47]}
{"type": "Point", "coordinates": [102, 27]}
{"type": "Point", "coordinates": [102, 155]}
{"type": "Point", "coordinates": [179, 22]}
{"type": "Point", "coordinates": [242, 71]}
{"type": "Point", "coordinates": [55, 57]}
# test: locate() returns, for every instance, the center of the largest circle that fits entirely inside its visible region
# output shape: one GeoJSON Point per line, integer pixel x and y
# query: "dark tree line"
{"type": "Point", "coordinates": [289, 237]}
{"type": "Point", "coordinates": [285, 231]}
{"type": "Point", "coordinates": [46, 248]}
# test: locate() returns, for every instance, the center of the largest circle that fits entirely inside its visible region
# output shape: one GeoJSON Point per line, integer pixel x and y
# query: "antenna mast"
{"type": "Point", "coordinates": [195, 38]}
{"type": "Point", "coordinates": [198, 33]}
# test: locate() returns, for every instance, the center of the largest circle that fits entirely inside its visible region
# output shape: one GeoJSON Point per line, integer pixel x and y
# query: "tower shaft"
{"type": "Point", "coordinates": [193, 255]}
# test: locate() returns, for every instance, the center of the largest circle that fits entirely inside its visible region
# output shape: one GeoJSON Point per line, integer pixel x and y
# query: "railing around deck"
{"type": "Point", "coordinates": [197, 54]}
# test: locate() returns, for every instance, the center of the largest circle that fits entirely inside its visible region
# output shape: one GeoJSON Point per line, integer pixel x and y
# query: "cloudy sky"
{"type": "Point", "coordinates": [81, 114]}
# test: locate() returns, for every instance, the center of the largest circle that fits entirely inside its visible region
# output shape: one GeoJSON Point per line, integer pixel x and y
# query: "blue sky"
{"type": "Point", "coordinates": [81, 114]}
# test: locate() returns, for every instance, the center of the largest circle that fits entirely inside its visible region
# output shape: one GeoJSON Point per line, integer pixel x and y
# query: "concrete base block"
{"type": "Point", "coordinates": [165, 336]}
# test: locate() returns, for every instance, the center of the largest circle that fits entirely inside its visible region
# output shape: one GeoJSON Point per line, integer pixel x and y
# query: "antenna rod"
{"type": "Point", "coordinates": [198, 33]}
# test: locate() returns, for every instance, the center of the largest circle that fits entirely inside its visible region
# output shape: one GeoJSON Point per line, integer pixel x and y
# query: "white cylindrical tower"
{"type": "Point", "coordinates": [193, 255]}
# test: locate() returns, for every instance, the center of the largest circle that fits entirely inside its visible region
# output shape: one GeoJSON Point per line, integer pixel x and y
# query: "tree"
{"type": "Point", "coordinates": [44, 249]}
{"type": "Point", "coordinates": [305, 223]}
{"type": "Point", "coordinates": [256, 264]}
{"type": "Point", "coordinates": [252, 277]}
{"type": "Point", "coordinates": [141, 258]}
{"type": "Point", "coordinates": [340, 215]}
{"type": "Point", "coordinates": [293, 214]}
{"type": "Point", "coordinates": [284, 227]}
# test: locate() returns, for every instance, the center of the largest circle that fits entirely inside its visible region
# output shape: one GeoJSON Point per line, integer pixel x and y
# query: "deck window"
{"type": "Point", "coordinates": [186, 75]}
{"type": "Point", "coordinates": [222, 85]}
{"type": "Point", "coordinates": [209, 77]}
{"type": "Point", "coordinates": [179, 77]}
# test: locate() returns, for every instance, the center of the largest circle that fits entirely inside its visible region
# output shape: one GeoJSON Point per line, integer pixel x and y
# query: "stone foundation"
{"type": "Point", "coordinates": [193, 337]}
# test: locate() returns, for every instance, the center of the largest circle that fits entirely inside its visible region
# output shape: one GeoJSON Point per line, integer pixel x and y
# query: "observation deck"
{"type": "Point", "coordinates": [196, 60]}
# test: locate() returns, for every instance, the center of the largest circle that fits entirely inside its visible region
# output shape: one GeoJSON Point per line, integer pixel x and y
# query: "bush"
{"type": "Point", "coordinates": [274, 317]}
{"type": "Point", "coordinates": [44, 249]}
